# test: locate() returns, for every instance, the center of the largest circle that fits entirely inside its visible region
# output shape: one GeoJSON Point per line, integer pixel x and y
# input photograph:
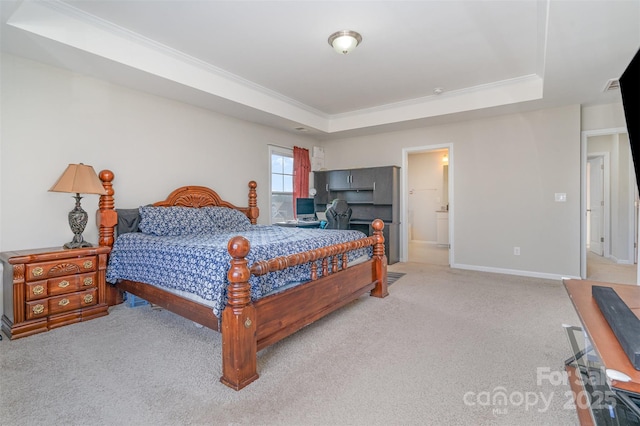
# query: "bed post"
{"type": "Point", "coordinates": [107, 219]}
{"type": "Point", "coordinates": [107, 216]}
{"type": "Point", "coordinates": [253, 202]}
{"type": "Point", "coordinates": [379, 261]}
{"type": "Point", "coordinates": [239, 344]}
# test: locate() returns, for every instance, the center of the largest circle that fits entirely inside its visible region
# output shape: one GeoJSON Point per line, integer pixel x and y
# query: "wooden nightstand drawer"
{"type": "Point", "coordinates": [43, 270]}
{"type": "Point", "coordinates": [59, 304]}
{"type": "Point", "coordinates": [70, 302]}
{"type": "Point", "coordinates": [63, 285]}
{"type": "Point", "coordinates": [71, 283]}
{"type": "Point", "coordinates": [37, 309]}
{"type": "Point", "coordinates": [36, 290]}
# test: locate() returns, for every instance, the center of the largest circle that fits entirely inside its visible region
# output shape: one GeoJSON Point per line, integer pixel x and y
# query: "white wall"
{"type": "Point", "coordinates": [51, 117]}
{"type": "Point", "coordinates": [506, 172]}
{"type": "Point", "coordinates": [606, 116]}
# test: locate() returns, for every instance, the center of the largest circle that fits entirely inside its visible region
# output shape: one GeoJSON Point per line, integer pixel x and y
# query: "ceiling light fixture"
{"type": "Point", "coordinates": [344, 41]}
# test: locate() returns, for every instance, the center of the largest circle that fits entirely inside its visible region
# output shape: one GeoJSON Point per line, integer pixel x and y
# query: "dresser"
{"type": "Point", "coordinates": [53, 287]}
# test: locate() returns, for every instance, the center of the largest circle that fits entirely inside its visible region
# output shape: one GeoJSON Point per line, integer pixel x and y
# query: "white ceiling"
{"type": "Point", "coordinates": [269, 61]}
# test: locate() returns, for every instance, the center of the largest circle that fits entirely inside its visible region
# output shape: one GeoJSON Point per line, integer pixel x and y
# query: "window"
{"type": "Point", "coordinates": [281, 184]}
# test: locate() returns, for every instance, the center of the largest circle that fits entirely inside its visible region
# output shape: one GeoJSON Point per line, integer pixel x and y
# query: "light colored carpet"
{"type": "Point", "coordinates": [430, 353]}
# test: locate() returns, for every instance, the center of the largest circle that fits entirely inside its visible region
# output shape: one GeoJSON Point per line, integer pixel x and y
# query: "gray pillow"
{"type": "Point", "coordinates": [128, 221]}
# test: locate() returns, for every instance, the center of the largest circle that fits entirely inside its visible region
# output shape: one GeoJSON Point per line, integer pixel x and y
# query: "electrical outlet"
{"type": "Point", "coordinates": [516, 251]}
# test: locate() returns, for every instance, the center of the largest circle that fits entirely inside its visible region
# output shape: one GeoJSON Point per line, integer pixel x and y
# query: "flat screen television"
{"type": "Point", "coordinates": [630, 90]}
{"type": "Point", "coordinates": [305, 209]}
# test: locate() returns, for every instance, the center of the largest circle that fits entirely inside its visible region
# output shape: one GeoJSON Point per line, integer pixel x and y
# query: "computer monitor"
{"type": "Point", "coordinates": [305, 209]}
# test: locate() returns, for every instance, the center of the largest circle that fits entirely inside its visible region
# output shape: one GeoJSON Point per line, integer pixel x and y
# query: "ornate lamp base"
{"type": "Point", "coordinates": [72, 245]}
{"type": "Point", "coordinates": [77, 221]}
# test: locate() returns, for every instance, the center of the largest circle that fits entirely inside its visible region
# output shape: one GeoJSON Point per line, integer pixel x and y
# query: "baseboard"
{"type": "Point", "coordinates": [620, 261]}
{"type": "Point", "coordinates": [518, 272]}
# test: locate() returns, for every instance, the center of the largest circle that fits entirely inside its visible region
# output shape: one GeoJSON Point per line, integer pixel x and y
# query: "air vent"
{"type": "Point", "coordinates": [612, 84]}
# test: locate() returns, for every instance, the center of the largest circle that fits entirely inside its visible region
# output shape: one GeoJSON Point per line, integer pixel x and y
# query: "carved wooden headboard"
{"type": "Point", "coordinates": [186, 196]}
{"type": "Point", "coordinates": [201, 196]}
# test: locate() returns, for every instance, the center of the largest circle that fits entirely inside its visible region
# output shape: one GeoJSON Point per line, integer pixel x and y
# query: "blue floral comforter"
{"type": "Point", "coordinates": [199, 263]}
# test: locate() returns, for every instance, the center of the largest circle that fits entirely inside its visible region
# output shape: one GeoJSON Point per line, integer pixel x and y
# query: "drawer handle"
{"type": "Point", "coordinates": [37, 271]}
{"type": "Point", "coordinates": [87, 264]}
{"type": "Point", "coordinates": [88, 298]}
{"type": "Point", "coordinates": [38, 290]}
{"type": "Point", "coordinates": [63, 284]}
{"type": "Point", "coordinates": [88, 281]}
{"type": "Point", "coordinates": [63, 302]}
{"type": "Point", "coordinates": [38, 309]}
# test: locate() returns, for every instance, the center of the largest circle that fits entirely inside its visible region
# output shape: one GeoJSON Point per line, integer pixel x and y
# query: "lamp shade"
{"type": "Point", "coordinates": [79, 179]}
{"type": "Point", "coordinates": [344, 41]}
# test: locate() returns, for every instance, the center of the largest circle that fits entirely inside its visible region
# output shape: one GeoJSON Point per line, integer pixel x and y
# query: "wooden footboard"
{"type": "Point", "coordinates": [247, 326]}
{"type": "Point", "coordinates": [285, 313]}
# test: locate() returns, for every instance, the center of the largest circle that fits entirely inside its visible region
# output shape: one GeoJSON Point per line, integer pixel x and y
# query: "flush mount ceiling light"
{"type": "Point", "coordinates": [344, 41]}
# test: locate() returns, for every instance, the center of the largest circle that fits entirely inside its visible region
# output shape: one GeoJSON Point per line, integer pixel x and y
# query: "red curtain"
{"type": "Point", "coordinates": [301, 170]}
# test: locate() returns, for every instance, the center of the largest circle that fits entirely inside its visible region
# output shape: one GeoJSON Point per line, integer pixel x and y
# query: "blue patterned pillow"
{"type": "Point", "coordinates": [165, 221]}
{"type": "Point", "coordinates": [228, 220]}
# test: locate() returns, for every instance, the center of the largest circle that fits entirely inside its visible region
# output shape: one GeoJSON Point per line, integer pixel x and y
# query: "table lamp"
{"type": "Point", "coordinates": [78, 179]}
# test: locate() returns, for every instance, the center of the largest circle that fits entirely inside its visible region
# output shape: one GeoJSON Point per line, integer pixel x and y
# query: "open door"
{"type": "Point", "coordinates": [595, 205]}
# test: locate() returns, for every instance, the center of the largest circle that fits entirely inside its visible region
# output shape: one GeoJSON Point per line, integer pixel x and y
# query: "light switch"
{"type": "Point", "coordinates": [561, 197]}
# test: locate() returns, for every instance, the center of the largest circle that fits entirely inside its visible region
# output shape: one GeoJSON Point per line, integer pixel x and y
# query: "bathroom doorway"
{"type": "Point", "coordinates": [609, 234]}
{"type": "Point", "coordinates": [428, 212]}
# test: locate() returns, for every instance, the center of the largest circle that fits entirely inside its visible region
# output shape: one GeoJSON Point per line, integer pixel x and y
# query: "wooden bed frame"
{"type": "Point", "coordinates": [247, 326]}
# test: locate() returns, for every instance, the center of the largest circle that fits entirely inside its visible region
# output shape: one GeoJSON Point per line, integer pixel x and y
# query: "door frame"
{"type": "Point", "coordinates": [585, 135]}
{"type": "Point", "coordinates": [404, 201]}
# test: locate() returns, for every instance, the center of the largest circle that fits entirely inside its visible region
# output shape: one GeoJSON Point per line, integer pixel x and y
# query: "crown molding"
{"type": "Point", "coordinates": [70, 26]}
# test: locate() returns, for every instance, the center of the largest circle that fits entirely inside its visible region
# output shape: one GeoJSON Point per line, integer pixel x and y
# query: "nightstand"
{"type": "Point", "coordinates": [53, 287]}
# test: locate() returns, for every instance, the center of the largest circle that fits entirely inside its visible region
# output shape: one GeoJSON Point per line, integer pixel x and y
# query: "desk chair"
{"type": "Point", "coordinates": [338, 215]}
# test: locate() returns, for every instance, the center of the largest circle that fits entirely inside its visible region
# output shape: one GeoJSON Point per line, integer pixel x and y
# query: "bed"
{"type": "Point", "coordinates": [261, 294]}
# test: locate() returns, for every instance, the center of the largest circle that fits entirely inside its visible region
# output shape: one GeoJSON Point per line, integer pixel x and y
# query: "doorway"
{"type": "Point", "coordinates": [609, 232]}
{"type": "Point", "coordinates": [597, 203]}
{"type": "Point", "coordinates": [427, 199]}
